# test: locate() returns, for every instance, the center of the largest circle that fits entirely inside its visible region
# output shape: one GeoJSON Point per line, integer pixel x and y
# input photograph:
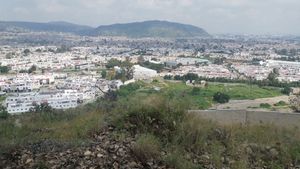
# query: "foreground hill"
{"type": "Point", "coordinates": [140, 127]}
{"type": "Point", "coordinates": [162, 29]}
{"type": "Point", "coordinates": [151, 29]}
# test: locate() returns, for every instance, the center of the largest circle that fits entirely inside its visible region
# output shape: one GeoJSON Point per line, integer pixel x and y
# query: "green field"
{"type": "Point", "coordinates": [202, 98]}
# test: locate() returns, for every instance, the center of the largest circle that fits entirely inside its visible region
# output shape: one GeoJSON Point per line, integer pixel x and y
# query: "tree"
{"type": "Point", "coordinates": [286, 90]}
{"type": "Point", "coordinates": [191, 76]}
{"type": "Point", "coordinates": [272, 77]}
{"type": "Point", "coordinates": [141, 59]}
{"type": "Point", "coordinates": [103, 74]}
{"type": "Point", "coordinates": [221, 97]}
{"type": "Point", "coordinates": [3, 112]}
{"type": "Point", "coordinates": [26, 51]}
{"type": "Point", "coordinates": [127, 67]}
{"type": "Point", "coordinates": [4, 69]}
{"type": "Point", "coordinates": [42, 108]}
{"type": "Point", "coordinates": [112, 63]}
{"type": "Point", "coordinates": [32, 69]}
{"type": "Point", "coordinates": [168, 77]}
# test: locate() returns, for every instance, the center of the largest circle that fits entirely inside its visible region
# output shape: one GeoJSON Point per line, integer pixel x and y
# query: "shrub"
{"type": "Point", "coordinates": [280, 103]}
{"type": "Point", "coordinates": [265, 105]}
{"type": "Point", "coordinates": [147, 147]}
{"type": "Point", "coordinates": [221, 97]}
{"type": "Point", "coordinates": [286, 90]}
{"type": "Point", "coordinates": [3, 113]}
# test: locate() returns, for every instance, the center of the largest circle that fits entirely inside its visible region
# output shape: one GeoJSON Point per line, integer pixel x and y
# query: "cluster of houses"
{"type": "Point", "coordinates": [288, 71]}
{"type": "Point", "coordinates": [25, 91]}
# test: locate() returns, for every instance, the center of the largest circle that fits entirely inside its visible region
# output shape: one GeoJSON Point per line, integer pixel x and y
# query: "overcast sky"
{"type": "Point", "coordinates": [216, 16]}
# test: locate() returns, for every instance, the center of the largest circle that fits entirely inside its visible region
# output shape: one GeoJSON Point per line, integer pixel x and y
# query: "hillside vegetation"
{"type": "Point", "coordinates": [153, 130]}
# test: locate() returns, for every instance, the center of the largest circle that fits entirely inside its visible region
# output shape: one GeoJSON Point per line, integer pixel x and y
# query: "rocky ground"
{"type": "Point", "coordinates": [104, 152]}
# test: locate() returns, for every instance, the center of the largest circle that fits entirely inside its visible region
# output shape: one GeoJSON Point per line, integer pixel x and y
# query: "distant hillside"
{"type": "Point", "coordinates": [150, 29]}
{"type": "Point", "coordinates": [43, 27]}
{"type": "Point", "coordinates": [137, 29]}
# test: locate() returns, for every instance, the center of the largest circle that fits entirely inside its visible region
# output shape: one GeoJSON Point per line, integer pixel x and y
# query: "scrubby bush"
{"type": "Point", "coordinates": [147, 147]}
{"type": "Point", "coordinates": [265, 105]}
{"type": "Point", "coordinates": [221, 97]}
{"type": "Point", "coordinates": [3, 113]}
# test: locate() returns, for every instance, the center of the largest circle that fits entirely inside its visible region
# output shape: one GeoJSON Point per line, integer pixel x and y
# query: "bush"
{"type": "Point", "coordinates": [280, 103]}
{"type": "Point", "coordinates": [221, 97]}
{"type": "Point", "coordinates": [3, 113]}
{"type": "Point", "coordinates": [286, 90]}
{"type": "Point", "coordinates": [147, 147]}
{"type": "Point", "coordinates": [265, 105]}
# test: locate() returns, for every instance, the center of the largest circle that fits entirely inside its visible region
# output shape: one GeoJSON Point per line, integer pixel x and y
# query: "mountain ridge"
{"type": "Point", "coordinates": [151, 28]}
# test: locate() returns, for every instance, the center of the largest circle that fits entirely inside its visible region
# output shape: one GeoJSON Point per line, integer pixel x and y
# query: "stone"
{"type": "Point", "coordinates": [88, 153]}
{"type": "Point", "coordinates": [28, 161]}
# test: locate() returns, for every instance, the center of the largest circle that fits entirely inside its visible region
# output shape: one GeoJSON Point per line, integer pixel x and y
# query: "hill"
{"type": "Point", "coordinates": [162, 29]}
{"type": "Point", "coordinates": [140, 127]}
{"type": "Point", "coordinates": [151, 29]}
{"type": "Point", "coordinates": [42, 27]}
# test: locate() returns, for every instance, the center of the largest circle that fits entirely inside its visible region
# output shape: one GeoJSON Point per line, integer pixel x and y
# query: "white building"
{"type": "Point", "coordinates": [142, 73]}
{"type": "Point", "coordinates": [23, 102]}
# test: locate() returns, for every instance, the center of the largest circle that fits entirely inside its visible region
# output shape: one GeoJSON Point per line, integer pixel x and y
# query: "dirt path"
{"type": "Point", "coordinates": [253, 104]}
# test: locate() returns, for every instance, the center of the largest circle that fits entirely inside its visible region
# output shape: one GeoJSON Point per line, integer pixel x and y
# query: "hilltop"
{"type": "Point", "coordinates": [151, 29]}
{"type": "Point", "coordinates": [162, 29]}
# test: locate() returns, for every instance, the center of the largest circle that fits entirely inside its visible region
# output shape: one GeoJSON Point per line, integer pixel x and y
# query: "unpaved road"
{"type": "Point", "coordinates": [253, 104]}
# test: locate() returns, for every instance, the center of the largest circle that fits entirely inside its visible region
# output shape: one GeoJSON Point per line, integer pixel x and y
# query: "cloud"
{"type": "Point", "coordinates": [216, 16]}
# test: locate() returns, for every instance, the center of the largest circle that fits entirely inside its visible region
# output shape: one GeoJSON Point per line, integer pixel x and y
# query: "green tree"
{"type": "Point", "coordinates": [191, 76]}
{"type": "Point", "coordinates": [286, 90]}
{"type": "Point", "coordinates": [4, 69]}
{"type": "Point", "coordinates": [272, 77]}
{"type": "Point", "coordinates": [3, 112]}
{"type": "Point", "coordinates": [221, 97]}
{"type": "Point", "coordinates": [103, 74]}
{"type": "Point", "coordinates": [26, 51]}
{"type": "Point", "coordinates": [32, 69]}
{"type": "Point", "coordinates": [112, 63]}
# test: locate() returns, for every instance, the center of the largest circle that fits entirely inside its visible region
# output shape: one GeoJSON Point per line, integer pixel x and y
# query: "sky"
{"type": "Point", "coordinates": [215, 16]}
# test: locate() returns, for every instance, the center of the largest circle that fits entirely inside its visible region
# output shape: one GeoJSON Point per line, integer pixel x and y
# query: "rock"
{"type": "Point", "coordinates": [132, 164]}
{"type": "Point", "coordinates": [87, 153]}
{"type": "Point", "coordinates": [206, 157]}
{"type": "Point", "coordinates": [99, 155]}
{"type": "Point", "coordinates": [116, 165]}
{"type": "Point", "coordinates": [29, 161]}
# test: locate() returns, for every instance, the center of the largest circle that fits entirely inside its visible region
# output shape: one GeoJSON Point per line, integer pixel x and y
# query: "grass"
{"type": "Point", "coordinates": [202, 98]}
{"type": "Point", "coordinates": [147, 147]}
{"type": "Point", "coordinates": [69, 126]}
{"type": "Point", "coordinates": [159, 122]}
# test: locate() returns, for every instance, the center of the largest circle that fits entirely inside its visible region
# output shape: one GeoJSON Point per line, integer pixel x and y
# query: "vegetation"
{"type": "Point", "coordinates": [3, 113]}
{"type": "Point", "coordinates": [125, 72]}
{"type": "Point", "coordinates": [157, 67]}
{"type": "Point", "coordinates": [32, 69]}
{"type": "Point", "coordinates": [159, 122]}
{"type": "Point", "coordinates": [221, 97]}
{"type": "Point", "coordinates": [280, 103]}
{"type": "Point", "coordinates": [103, 74]}
{"type": "Point", "coordinates": [4, 69]}
{"type": "Point", "coordinates": [266, 82]}
{"type": "Point", "coordinates": [286, 90]}
{"type": "Point", "coordinates": [265, 105]}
